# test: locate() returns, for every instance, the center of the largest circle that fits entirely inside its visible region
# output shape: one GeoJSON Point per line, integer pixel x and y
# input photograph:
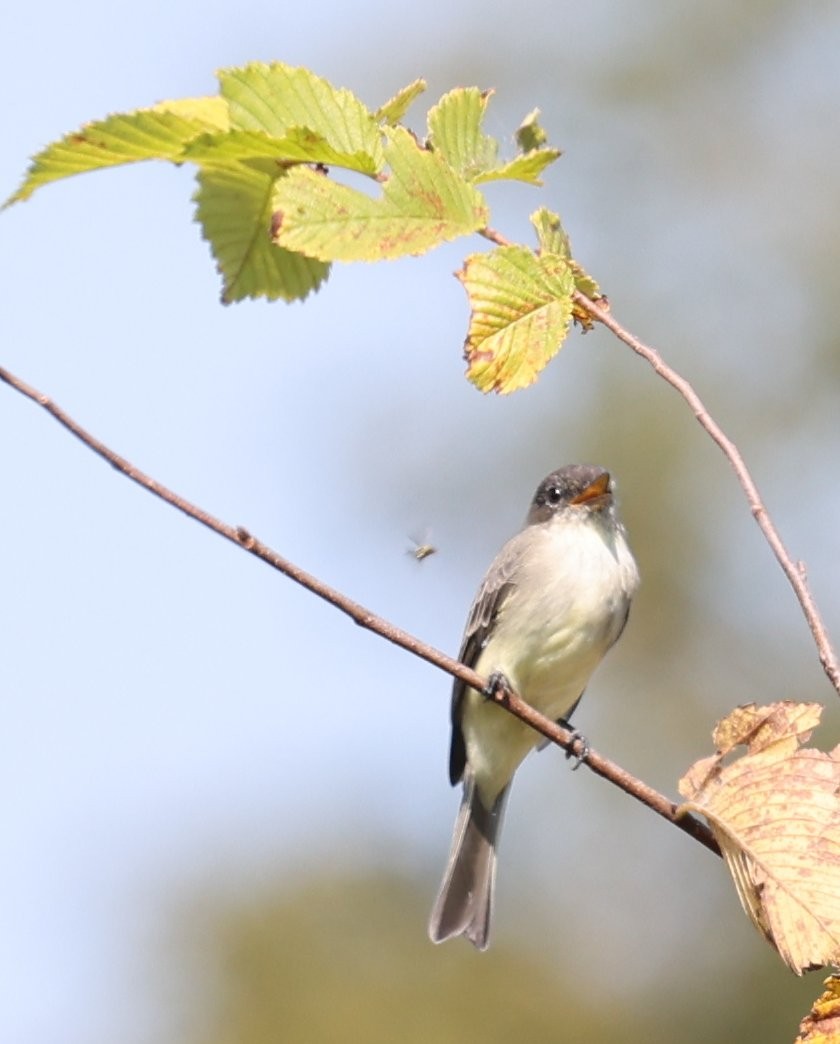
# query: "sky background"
{"type": "Point", "coordinates": [177, 721]}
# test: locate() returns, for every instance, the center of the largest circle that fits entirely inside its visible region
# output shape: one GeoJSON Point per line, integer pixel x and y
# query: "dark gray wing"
{"type": "Point", "coordinates": [494, 591]}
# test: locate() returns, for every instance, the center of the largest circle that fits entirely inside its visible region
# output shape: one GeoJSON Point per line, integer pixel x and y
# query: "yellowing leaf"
{"type": "Point", "coordinates": [553, 239]}
{"type": "Point", "coordinates": [455, 131]}
{"type": "Point", "coordinates": [521, 309]}
{"type": "Point", "coordinates": [234, 209]}
{"type": "Point", "coordinates": [423, 204]}
{"type": "Point", "coordinates": [776, 816]}
{"type": "Point", "coordinates": [276, 98]}
{"type": "Point", "coordinates": [128, 138]}
{"type": "Point", "coordinates": [822, 1024]}
{"type": "Point", "coordinates": [395, 108]}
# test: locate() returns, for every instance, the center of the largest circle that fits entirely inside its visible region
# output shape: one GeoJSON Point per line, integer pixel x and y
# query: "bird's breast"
{"type": "Point", "coordinates": [566, 608]}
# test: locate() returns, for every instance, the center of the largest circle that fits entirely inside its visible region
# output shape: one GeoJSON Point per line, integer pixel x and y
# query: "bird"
{"type": "Point", "coordinates": [553, 602]}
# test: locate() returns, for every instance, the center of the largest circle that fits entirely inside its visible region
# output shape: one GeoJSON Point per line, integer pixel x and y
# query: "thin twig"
{"type": "Point", "coordinates": [365, 618]}
{"type": "Point", "coordinates": [494, 236]}
{"type": "Point", "coordinates": [793, 570]}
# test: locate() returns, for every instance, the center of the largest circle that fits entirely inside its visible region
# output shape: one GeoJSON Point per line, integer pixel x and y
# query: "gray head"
{"type": "Point", "coordinates": [577, 489]}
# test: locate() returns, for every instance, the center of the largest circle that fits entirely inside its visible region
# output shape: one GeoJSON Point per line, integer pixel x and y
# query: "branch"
{"type": "Point", "coordinates": [794, 571]}
{"type": "Point", "coordinates": [365, 618]}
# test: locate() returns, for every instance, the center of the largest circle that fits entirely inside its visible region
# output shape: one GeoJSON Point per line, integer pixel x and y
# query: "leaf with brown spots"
{"type": "Point", "coordinates": [521, 308]}
{"type": "Point", "coordinates": [776, 816]}
{"type": "Point", "coordinates": [424, 203]}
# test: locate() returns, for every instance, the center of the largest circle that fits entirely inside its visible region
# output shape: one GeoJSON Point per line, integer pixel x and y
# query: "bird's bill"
{"type": "Point", "coordinates": [599, 489]}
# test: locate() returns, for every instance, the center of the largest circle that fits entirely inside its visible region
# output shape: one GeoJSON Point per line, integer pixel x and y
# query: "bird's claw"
{"type": "Point", "coordinates": [496, 683]}
{"type": "Point", "coordinates": [585, 749]}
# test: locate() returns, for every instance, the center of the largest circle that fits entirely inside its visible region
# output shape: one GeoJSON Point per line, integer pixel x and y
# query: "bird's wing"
{"type": "Point", "coordinates": [491, 596]}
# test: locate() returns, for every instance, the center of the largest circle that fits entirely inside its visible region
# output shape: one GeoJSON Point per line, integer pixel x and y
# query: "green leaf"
{"type": "Point", "coordinates": [455, 131]}
{"type": "Point", "coordinates": [211, 111]}
{"type": "Point", "coordinates": [587, 286]}
{"type": "Point", "coordinates": [260, 150]}
{"type": "Point", "coordinates": [424, 203]}
{"type": "Point", "coordinates": [234, 210]}
{"type": "Point", "coordinates": [277, 98]}
{"type": "Point", "coordinates": [128, 138]}
{"type": "Point", "coordinates": [395, 108]}
{"type": "Point", "coordinates": [550, 233]}
{"type": "Point", "coordinates": [527, 167]}
{"type": "Point", "coordinates": [530, 135]}
{"type": "Point", "coordinates": [521, 308]}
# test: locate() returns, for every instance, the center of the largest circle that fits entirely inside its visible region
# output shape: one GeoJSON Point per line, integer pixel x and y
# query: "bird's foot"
{"type": "Point", "coordinates": [577, 737]}
{"type": "Point", "coordinates": [496, 683]}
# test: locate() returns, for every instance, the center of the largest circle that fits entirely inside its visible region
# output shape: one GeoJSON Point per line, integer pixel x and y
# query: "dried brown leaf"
{"type": "Point", "coordinates": [776, 816]}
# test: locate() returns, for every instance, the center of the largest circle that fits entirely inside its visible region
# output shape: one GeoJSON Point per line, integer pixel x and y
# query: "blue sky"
{"type": "Point", "coordinates": [171, 711]}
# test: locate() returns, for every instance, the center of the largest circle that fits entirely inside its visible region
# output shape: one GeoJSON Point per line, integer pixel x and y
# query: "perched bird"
{"type": "Point", "coordinates": [554, 600]}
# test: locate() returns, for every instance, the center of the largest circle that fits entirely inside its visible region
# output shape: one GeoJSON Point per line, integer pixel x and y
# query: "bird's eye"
{"type": "Point", "coordinates": [553, 495]}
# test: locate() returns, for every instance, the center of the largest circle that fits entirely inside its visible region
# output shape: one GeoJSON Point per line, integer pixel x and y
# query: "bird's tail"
{"type": "Point", "coordinates": [465, 902]}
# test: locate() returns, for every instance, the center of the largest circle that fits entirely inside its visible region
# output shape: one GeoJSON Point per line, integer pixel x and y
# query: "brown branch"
{"type": "Point", "coordinates": [494, 236]}
{"type": "Point", "coordinates": [793, 570]}
{"type": "Point", "coordinates": [365, 618]}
